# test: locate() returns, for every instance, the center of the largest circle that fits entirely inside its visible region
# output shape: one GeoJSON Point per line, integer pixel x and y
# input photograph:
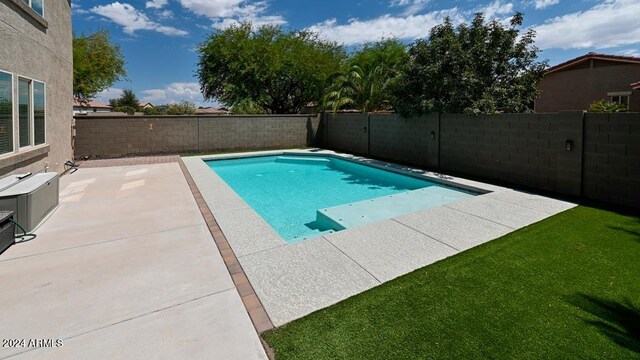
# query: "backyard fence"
{"type": "Point", "coordinates": [596, 156]}
{"type": "Point", "coordinates": [580, 154]}
{"type": "Point", "coordinates": [110, 136]}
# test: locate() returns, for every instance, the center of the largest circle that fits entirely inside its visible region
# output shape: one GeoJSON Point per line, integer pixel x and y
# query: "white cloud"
{"type": "Point", "coordinates": [543, 4]}
{"type": "Point", "coordinates": [132, 20]}
{"type": "Point", "coordinates": [496, 9]}
{"type": "Point", "coordinates": [78, 10]}
{"type": "Point", "coordinates": [255, 21]}
{"type": "Point", "coordinates": [174, 93]}
{"type": "Point", "coordinates": [156, 4]}
{"type": "Point", "coordinates": [608, 24]}
{"type": "Point", "coordinates": [165, 14]}
{"type": "Point", "coordinates": [228, 12]}
{"type": "Point", "coordinates": [629, 52]}
{"type": "Point", "coordinates": [412, 7]}
{"type": "Point", "coordinates": [358, 31]}
{"type": "Point", "coordinates": [108, 94]}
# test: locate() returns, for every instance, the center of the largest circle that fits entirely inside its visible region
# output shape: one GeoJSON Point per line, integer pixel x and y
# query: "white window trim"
{"type": "Point", "coordinates": [16, 114]}
{"type": "Point", "coordinates": [13, 115]}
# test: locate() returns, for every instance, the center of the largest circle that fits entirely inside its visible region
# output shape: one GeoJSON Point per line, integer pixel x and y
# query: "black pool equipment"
{"type": "Point", "coordinates": [7, 230]}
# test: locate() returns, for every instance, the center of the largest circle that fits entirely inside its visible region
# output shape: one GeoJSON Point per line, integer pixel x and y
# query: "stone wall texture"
{"type": "Point", "coordinates": [530, 150]}
{"type": "Point", "coordinates": [102, 137]}
{"type": "Point", "coordinates": [611, 169]}
{"type": "Point", "coordinates": [40, 48]}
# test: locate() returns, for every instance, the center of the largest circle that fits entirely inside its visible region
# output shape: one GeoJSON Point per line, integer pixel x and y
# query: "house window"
{"type": "Point", "coordinates": [24, 112]}
{"type": "Point", "coordinates": [38, 113]}
{"type": "Point", "coordinates": [37, 5]}
{"type": "Point", "coordinates": [6, 112]}
{"type": "Point", "coordinates": [621, 98]}
{"type": "Point", "coordinates": [31, 112]}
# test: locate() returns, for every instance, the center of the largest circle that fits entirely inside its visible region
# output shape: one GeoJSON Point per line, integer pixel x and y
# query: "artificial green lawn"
{"type": "Point", "coordinates": [565, 288]}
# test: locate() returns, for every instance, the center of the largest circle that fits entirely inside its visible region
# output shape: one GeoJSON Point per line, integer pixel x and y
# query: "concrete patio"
{"type": "Point", "coordinates": [124, 268]}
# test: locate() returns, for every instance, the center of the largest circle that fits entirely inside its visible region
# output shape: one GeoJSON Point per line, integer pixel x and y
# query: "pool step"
{"type": "Point", "coordinates": [387, 207]}
{"type": "Point", "coordinates": [302, 160]}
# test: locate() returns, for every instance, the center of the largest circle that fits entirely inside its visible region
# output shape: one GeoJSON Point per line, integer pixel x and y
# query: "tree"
{"type": "Point", "coordinates": [97, 64]}
{"type": "Point", "coordinates": [477, 68]}
{"type": "Point", "coordinates": [247, 106]}
{"type": "Point", "coordinates": [363, 84]}
{"type": "Point", "coordinates": [128, 102]}
{"type": "Point", "coordinates": [390, 54]}
{"type": "Point", "coordinates": [357, 89]}
{"type": "Point", "coordinates": [184, 107]}
{"type": "Point", "coordinates": [278, 71]}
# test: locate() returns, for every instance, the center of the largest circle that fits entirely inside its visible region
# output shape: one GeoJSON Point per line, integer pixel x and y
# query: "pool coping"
{"type": "Point", "coordinates": [251, 249]}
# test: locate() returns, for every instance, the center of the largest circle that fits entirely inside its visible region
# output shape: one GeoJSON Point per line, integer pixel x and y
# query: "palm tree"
{"type": "Point", "coordinates": [362, 89]}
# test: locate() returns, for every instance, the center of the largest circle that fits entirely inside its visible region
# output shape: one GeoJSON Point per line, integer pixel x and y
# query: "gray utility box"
{"type": "Point", "coordinates": [30, 198]}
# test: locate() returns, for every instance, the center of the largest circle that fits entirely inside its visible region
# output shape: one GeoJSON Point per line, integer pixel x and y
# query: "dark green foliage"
{"type": "Point", "coordinates": [247, 106]}
{"type": "Point", "coordinates": [127, 103]}
{"type": "Point", "coordinates": [362, 85]}
{"type": "Point", "coordinates": [475, 68]}
{"type": "Point", "coordinates": [564, 288]}
{"type": "Point", "coordinates": [97, 64]}
{"type": "Point", "coordinates": [606, 106]}
{"type": "Point", "coordinates": [278, 71]}
{"type": "Point", "coordinates": [181, 108]}
{"type": "Point", "coordinates": [156, 110]}
{"type": "Point", "coordinates": [387, 53]}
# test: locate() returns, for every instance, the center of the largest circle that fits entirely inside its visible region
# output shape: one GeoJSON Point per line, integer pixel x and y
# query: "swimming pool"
{"type": "Point", "coordinates": [302, 197]}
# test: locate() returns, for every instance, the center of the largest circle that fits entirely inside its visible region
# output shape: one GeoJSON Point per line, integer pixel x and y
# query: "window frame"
{"type": "Point", "coordinates": [30, 114]}
{"type": "Point", "coordinates": [29, 4]}
{"type": "Point", "coordinates": [16, 122]}
{"type": "Point", "coordinates": [44, 102]}
{"type": "Point", "coordinates": [619, 95]}
{"type": "Point", "coordinates": [13, 114]}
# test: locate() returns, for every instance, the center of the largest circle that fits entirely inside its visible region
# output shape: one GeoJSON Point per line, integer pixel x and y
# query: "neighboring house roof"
{"type": "Point", "coordinates": [90, 104]}
{"type": "Point", "coordinates": [595, 56]}
{"type": "Point", "coordinates": [212, 110]}
{"type": "Point", "coordinates": [635, 85]}
{"type": "Point", "coordinates": [145, 105]}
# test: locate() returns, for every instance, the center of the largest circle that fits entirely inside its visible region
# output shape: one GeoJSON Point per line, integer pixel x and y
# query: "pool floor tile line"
{"type": "Point", "coordinates": [258, 315]}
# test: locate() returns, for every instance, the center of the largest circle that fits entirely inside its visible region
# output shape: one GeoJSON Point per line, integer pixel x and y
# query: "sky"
{"type": "Point", "coordinates": [159, 38]}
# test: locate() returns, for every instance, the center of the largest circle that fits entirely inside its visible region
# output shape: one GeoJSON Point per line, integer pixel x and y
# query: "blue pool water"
{"type": "Point", "coordinates": [289, 191]}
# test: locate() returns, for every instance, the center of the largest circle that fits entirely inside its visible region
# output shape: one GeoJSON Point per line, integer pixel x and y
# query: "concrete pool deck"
{"type": "Point", "coordinates": [126, 268]}
{"type": "Point", "coordinates": [293, 280]}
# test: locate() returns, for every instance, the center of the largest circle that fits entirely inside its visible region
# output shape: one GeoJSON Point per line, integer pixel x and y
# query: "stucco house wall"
{"type": "Point", "coordinates": [39, 48]}
{"type": "Point", "coordinates": [577, 86]}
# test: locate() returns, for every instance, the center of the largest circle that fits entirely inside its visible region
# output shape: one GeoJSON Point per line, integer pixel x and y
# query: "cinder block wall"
{"type": "Point", "coordinates": [119, 136]}
{"type": "Point", "coordinates": [347, 132]}
{"type": "Point", "coordinates": [405, 140]}
{"type": "Point", "coordinates": [612, 158]}
{"type": "Point", "coordinates": [522, 149]}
